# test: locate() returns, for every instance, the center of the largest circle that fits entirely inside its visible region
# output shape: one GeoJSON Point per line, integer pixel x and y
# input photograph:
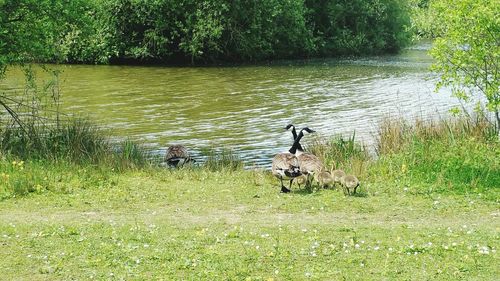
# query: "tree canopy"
{"type": "Point", "coordinates": [187, 31]}
{"type": "Point", "coordinates": [468, 51]}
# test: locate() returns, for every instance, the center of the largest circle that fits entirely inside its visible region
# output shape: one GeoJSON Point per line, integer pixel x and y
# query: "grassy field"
{"type": "Point", "coordinates": [237, 226]}
{"type": "Point", "coordinates": [428, 209]}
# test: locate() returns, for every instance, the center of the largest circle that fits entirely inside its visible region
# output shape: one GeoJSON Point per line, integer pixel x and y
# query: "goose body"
{"type": "Point", "coordinates": [350, 183]}
{"type": "Point", "coordinates": [309, 163]}
{"type": "Point", "coordinates": [286, 165]}
{"type": "Point", "coordinates": [177, 155]}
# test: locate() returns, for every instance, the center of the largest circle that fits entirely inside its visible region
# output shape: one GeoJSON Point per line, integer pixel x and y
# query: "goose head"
{"type": "Point", "coordinates": [296, 143]}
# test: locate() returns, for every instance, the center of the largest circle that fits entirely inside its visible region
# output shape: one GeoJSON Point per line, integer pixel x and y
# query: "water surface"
{"type": "Point", "coordinates": [246, 107]}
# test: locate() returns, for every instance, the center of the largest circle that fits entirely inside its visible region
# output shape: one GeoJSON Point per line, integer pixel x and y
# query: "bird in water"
{"type": "Point", "coordinates": [285, 165]}
{"type": "Point", "coordinates": [177, 155]}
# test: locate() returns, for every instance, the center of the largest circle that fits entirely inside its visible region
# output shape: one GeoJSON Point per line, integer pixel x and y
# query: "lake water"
{"type": "Point", "coordinates": [245, 108]}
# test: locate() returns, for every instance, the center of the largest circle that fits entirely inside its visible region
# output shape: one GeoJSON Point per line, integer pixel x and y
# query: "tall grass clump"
{"type": "Point", "coordinates": [340, 152]}
{"type": "Point", "coordinates": [132, 155]}
{"type": "Point", "coordinates": [458, 155]}
{"type": "Point", "coordinates": [221, 160]}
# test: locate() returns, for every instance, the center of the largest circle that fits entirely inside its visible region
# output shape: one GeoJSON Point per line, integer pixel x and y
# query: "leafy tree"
{"type": "Point", "coordinates": [467, 53]}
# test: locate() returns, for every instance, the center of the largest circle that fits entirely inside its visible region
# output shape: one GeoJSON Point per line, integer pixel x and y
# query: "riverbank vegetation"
{"type": "Point", "coordinates": [133, 31]}
{"type": "Point", "coordinates": [455, 156]}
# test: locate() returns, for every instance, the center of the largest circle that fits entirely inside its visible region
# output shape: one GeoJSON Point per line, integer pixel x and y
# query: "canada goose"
{"type": "Point", "coordinates": [324, 179]}
{"type": "Point", "coordinates": [302, 179]}
{"type": "Point", "coordinates": [177, 155]}
{"type": "Point", "coordinates": [286, 165]}
{"type": "Point", "coordinates": [309, 163]}
{"type": "Point", "coordinates": [350, 182]}
{"type": "Point", "coordinates": [337, 177]}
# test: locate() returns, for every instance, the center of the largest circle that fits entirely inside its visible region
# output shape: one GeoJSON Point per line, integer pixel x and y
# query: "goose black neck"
{"type": "Point", "coordinates": [294, 133]}
{"type": "Point", "coordinates": [296, 145]}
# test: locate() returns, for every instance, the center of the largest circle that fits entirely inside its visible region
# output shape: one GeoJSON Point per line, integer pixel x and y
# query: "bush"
{"type": "Point", "coordinates": [191, 31]}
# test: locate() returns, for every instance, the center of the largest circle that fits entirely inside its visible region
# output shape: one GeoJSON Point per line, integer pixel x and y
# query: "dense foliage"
{"type": "Point", "coordinates": [467, 51]}
{"type": "Point", "coordinates": [171, 31]}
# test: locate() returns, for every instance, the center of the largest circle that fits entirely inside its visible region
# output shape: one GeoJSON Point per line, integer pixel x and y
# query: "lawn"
{"type": "Point", "coordinates": [193, 225]}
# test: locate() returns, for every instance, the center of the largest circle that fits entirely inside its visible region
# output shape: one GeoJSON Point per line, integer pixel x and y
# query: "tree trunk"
{"type": "Point", "coordinates": [497, 115]}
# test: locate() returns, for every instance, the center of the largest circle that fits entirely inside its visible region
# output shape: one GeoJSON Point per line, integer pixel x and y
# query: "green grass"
{"type": "Point", "coordinates": [196, 224]}
{"type": "Point", "coordinates": [427, 210]}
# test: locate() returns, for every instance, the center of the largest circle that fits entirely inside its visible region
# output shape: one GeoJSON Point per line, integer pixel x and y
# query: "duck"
{"type": "Point", "coordinates": [350, 182]}
{"type": "Point", "coordinates": [285, 165]}
{"type": "Point", "coordinates": [177, 155]}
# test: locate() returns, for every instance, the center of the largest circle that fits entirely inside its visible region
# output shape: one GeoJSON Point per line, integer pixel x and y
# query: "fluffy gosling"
{"type": "Point", "coordinates": [337, 177]}
{"type": "Point", "coordinates": [350, 183]}
{"type": "Point", "coordinates": [324, 179]}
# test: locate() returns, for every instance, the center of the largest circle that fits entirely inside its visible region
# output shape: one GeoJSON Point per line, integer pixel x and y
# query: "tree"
{"type": "Point", "coordinates": [468, 51]}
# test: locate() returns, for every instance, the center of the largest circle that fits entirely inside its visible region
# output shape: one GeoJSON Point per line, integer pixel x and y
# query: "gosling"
{"type": "Point", "coordinates": [324, 179]}
{"type": "Point", "coordinates": [350, 183]}
{"type": "Point", "coordinates": [337, 177]}
{"type": "Point", "coordinates": [300, 180]}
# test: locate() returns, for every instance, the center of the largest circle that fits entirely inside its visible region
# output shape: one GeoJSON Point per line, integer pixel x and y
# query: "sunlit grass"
{"type": "Point", "coordinates": [185, 224]}
{"type": "Point", "coordinates": [427, 211]}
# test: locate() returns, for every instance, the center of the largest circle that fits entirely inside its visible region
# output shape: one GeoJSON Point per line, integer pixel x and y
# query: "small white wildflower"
{"type": "Point", "coordinates": [484, 250]}
{"type": "Point", "coordinates": [356, 246]}
{"type": "Point", "coordinates": [390, 249]}
{"type": "Point", "coordinates": [453, 244]}
{"type": "Point", "coordinates": [376, 248]}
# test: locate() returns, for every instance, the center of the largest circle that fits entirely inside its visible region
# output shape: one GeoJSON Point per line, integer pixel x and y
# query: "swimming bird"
{"type": "Point", "coordinates": [285, 165]}
{"type": "Point", "coordinates": [350, 182]}
{"type": "Point", "coordinates": [177, 155]}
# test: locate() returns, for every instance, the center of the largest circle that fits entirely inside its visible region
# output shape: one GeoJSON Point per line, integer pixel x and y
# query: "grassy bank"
{"type": "Point", "coordinates": [428, 209]}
